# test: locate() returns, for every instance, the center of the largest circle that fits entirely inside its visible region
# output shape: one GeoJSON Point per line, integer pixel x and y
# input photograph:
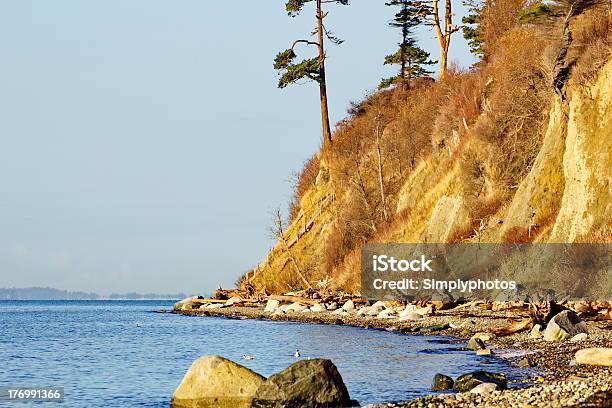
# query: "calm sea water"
{"type": "Point", "coordinates": [120, 354]}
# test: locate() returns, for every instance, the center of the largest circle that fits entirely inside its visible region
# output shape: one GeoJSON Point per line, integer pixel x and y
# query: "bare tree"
{"type": "Point", "coordinates": [278, 231]}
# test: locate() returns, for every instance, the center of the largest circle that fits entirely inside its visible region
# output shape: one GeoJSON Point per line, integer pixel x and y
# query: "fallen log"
{"type": "Point", "coordinates": [293, 299]}
{"type": "Point", "coordinates": [514, 327]}
{"type": "Point", "coordinates": [207, 300]}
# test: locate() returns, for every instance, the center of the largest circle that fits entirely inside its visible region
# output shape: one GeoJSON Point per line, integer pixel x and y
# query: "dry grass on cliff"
{"type": "Point", "coordinates": [475, 133]}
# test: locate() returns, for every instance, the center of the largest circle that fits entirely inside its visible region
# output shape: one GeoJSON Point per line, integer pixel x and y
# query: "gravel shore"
{"type": "Point", "coordinates": [559, 383]}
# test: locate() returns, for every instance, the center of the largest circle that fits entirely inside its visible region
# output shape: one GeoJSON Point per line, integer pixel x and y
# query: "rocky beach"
{"type": "Point", "coordinates": [569, 355]}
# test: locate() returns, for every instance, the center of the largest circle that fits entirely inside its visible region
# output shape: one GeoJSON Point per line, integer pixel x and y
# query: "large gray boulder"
{"type": "Point", "coordinates": [563, 326]}
{"type": "Point", "coordinates": [306, 384]}
{"type": "Point", "coordinates": [216, 382]}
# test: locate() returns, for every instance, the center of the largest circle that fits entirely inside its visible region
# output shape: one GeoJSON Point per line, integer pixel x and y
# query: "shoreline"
{"type": "Point", "coordinates": [557, 382]}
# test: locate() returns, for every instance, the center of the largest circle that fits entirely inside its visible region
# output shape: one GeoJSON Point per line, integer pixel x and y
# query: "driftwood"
{"type": "Point", "coordinates": [292, 299]}
{"type": "Point", "coordinates": [514, 327]}
{"type": "Point", "coordinates": [208, 300]}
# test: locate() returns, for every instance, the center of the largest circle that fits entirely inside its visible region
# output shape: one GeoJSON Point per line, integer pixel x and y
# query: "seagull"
{"type": "Point", "coordinates": [296, 354]}
{"type": "Point", "coordinates": [248, 357]}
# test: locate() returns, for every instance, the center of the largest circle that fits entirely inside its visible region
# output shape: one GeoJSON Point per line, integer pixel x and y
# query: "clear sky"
{"type": "Point", "coordinates": [143, 143]}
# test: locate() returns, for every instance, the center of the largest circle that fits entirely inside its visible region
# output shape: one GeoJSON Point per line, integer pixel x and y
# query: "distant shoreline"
{"type": "Point", "coordinates": [47, 293]}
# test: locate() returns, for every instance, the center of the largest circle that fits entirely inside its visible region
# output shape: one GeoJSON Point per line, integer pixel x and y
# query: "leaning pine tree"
{"type": "Point", "coordinates": [312, 69]}
{"type": "Point", "coordinates": [412, 59]}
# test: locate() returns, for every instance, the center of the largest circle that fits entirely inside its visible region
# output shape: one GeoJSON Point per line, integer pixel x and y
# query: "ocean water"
{"type": "Point", "coordinates": [121, 354]}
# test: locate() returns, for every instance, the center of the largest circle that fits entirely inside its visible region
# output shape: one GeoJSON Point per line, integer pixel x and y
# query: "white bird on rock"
{"type": "Point", "coordinates": [297, 354]}
{"type": "Point", "coordinates": [248, 357]}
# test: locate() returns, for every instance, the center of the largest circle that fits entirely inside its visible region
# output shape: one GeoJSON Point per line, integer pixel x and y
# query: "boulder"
{"type": "Point", "coordinates": [349, 306]}
{"type": "Point", "coordinates": [442, 382]}
{"type": "Point", "coordinates": [215, 382]}
{"type": "Point", "coordinates": [484, 388]}
{"type": "Point", "coordinates": [595, 356]}
{"type": "Point", "coordinates": [470, 380]}
{"type": "Point", "coordinates": [312, 383]}
{"type": "Point", "coordinates": [271, 305]}
{"type": "Point", "coordinates": [563, 326]}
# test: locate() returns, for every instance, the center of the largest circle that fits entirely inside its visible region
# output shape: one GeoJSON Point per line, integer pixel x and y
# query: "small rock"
{"type": "Point", "coordinates": [442, 382]}
{"type": "Point", "coordinates": [214, 306]}
{"type": "Point", "coordinates": [484, 352]}
{"type": "Point", "coordinates": [379, 304]}
{"type": "Point", "coordinates": [470, 380]}
{"type": "Point", "coordinates": [295, 307]}
{"type": "Point", "coordinates": [340, 312]}
{"type": "Point", "coordinates": [332, 306]}
{"type": "Point", "coordinates": [363, 311]}
{"type": "Point", "coordinates": [374, 311]}
{"type": "Point", "coordinates": [536, 332]}
{"type": "Point", "coordinates": [595, 356]}
{"type": "Point", "coordinates": [386, 314]}
{"type": "Point", "coordinates": [484, 388]}
{"type": "Point", "coordinates": [525, 362]}
{"type": "Point", "coordinates": [579, 337]}
{"type": "Point", "coordinates": [563, 326]}
{"type": "Point", "coordinates": [424, 311]}
{"type": "Point", "coordinates": [317, 308]}
{"type": "Point", "coordinates": [476, 343]}
{"type": "Point", "coordinates": [410, 316]}
{"type": "Point", "coordinates": [233, 300]}
{"type": "Point", "coordinates": [278, 312]}
{"type": "Point", "coordinates": [271, 305]}
{"type": "Point", "coordinates": [349, 306]}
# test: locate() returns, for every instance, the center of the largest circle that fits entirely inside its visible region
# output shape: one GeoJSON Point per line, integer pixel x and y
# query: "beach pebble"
{"type": "Point", "coordinates": [271, 305]}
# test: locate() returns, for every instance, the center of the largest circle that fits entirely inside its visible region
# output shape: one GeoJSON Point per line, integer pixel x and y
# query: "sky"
{"type": "Point", "coordinates": [144, 144]}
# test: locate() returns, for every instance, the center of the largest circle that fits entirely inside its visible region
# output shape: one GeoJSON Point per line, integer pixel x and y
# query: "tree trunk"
{"type": "Point", "coordinates": [380, 171]}
{"type": "Point", "coordinates": [322, 81]}
{"type": "Point", "coordinates": [443, 35]}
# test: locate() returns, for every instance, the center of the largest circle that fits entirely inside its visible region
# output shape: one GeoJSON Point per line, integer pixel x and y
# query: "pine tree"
{"type": "Point", "coordinates": [312, 69]}
{"type": "Point", "coordinates": [411, 59]}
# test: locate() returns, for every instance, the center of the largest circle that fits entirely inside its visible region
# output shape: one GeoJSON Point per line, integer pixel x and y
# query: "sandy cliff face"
{"type": "Point", "coordinates": [566, 196]}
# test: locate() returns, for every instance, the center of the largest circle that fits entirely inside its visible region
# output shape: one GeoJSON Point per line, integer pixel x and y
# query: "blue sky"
{"type": "Point", "coordinates": [143, 143]}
